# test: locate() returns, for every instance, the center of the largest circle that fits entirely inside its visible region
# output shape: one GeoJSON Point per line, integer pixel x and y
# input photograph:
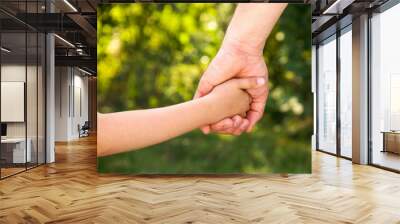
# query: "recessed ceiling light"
{"type": "Point", "coordinates": [337, 7]}
{"type": "Point", "coordinates": [5, 50]}
{"type": "Point", "coordinates": [84, 71]}
{"type": "Point", "coordinates": [65, 41]}
{"type": "Point", "coordinates": [70, 5]}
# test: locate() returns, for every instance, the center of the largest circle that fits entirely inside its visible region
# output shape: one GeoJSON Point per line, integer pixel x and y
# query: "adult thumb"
{"type": "Point", "coordinates": [251, 83]}
{"type": "Point", "coordinates": [203, 88]}
{"type": "Point", "coordinates": [222, 68]}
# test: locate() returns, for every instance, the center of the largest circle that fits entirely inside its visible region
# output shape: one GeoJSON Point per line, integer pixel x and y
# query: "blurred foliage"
{"type": "Point", "coordinates": [152, 55]}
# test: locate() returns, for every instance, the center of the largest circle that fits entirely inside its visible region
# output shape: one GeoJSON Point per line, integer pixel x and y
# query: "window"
{"type": "Point", "coordinates": [346, 92]}
{"type": "Point", "coordinates": [385, 89]}
{"type": "Point", "coordinates": [327, 95]}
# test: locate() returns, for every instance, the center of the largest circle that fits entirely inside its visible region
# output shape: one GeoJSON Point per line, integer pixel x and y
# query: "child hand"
{"type": "Point", "coordinates": [230, 98]}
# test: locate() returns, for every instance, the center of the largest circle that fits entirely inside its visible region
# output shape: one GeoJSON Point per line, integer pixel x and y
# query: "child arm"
{"type": "Point", "coordinates": [131, 130]}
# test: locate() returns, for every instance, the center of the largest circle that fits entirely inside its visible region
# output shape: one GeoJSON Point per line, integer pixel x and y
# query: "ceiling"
{"type": "Point", "coordinates": [74, 21]}
{"type": "Point", "coordinates": [332, 15]}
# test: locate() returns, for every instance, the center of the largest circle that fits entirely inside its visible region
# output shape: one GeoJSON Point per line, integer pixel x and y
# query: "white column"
{"type": "Point", "coordinates": [314, 92]}
{"type": "Point", "coordinates": [360, 90]}
{"type": "Point", "coordinates": [50, 92]}
{"type": "Point", "coordinates": [50, 99]}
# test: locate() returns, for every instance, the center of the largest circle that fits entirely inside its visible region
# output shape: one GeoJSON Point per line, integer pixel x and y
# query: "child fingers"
{"type": "Point", "coordinates": [237, 120]}
{"type": "Point", "coordinates": [222, 125]}
{"type": "Point", "coordinates": [243, 126]}
{"type": "Point", "coordinates": [229, 131]}
{"type": "Point", "coordinates": [237, 131]}
{"type": "Point", "coordinates": [240, 126]}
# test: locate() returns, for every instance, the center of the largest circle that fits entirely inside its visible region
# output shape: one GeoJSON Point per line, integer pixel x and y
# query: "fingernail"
{"type": "Point", "coordinates": [260, 81]}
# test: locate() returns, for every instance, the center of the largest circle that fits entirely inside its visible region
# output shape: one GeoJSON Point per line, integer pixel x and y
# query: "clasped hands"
{"type": "Point", "coordinates": [232, 62]}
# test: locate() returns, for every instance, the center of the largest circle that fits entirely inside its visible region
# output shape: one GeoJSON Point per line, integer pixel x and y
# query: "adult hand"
{"type": "Point", "coordinates": [241, 56]}
{"type": "Point", "coordinates": [234, 61]}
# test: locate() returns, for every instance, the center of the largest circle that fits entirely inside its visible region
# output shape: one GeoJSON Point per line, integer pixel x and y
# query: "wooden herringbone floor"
{"type": "Point", "coordinates": [71, 191]}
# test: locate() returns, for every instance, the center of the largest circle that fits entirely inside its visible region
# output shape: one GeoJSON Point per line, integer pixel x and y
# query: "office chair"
{"type": "Point", "coordinates": [84, 130]}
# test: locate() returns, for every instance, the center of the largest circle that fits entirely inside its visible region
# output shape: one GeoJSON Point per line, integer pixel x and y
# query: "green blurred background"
{"type": "Point", "coordinates": [152, 55]}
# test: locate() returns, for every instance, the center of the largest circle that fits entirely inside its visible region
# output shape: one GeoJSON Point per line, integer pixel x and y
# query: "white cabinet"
{"type": "Point", "coordinates": [19, 155]}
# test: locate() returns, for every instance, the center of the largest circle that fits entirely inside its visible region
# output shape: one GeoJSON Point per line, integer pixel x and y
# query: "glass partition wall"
{"type": "Point", "coordinates": [22, 98]}
{"type": "Point", "coordinates": [13, 90]}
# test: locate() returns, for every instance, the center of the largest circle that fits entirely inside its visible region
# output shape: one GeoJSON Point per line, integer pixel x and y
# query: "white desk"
{"type": "Point", "coordinates": [391, 141]}
{"type": "Point", "coordinates": [19, 155]}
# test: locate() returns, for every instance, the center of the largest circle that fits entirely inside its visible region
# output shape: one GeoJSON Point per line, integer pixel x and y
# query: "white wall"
{"type": "Point", "coordinates": [81, 102]}
{"type": "Point", "coordinates": [62, 81]}
{"type": "Point", "coordinates": [71, 94]}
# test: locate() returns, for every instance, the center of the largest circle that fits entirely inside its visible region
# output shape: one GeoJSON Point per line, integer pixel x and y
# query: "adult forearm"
{"type": "Point", "coordinates": [125, 131]}
{"type": "Point", "coordinates": [251, 25]}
